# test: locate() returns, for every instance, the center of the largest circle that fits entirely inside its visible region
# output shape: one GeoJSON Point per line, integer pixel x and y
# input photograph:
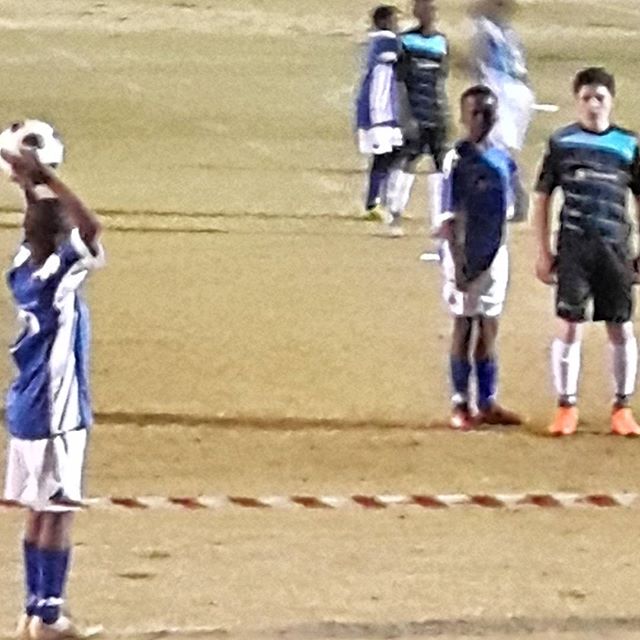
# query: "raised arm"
{"type": "Point", "coordinates": [30, 173]}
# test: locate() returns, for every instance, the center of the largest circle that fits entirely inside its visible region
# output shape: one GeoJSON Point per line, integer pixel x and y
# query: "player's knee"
{"type": "Point", "coordinates": [620, 333]}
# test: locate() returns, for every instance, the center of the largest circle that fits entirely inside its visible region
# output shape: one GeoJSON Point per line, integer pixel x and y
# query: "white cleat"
{"type": "Point", "coordinates": [62, 629]}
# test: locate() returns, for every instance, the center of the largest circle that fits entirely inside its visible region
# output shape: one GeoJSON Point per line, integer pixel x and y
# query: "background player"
{"type": "Point", "coordinates": [48, 407]}
{"type": "Point", "coordinates": [477, 192]}
{"type": "Point", "coordinates": [422, 70]}
{"type": "Point", "coordinates": [377, 107]}
{"type": "Point", "coordinates": [498, 61]}
{"type": "Point", "coordinates": [594, 163]}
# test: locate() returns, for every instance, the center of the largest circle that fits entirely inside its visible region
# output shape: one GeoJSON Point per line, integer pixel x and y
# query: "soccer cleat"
{"type": "Point", "coordinates": [62, 629]}
{"type": "Point", "coordinates": [461, 418]}
{"type": "Point", "coordinates": [22, 628]}
{"type": "Point", "coordinates": [375, 214]}
{"type": "Point", "coordinates": [394, 228]}
{"type": "Point", "coordinates": [565, 422]}
{"type": "Point", "coordinates": [497, 415]}
{"type": "Point", "coordinates": [623, 423]}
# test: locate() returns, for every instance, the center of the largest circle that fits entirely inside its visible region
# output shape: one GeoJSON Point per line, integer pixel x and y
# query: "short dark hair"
{"type": "Point", "coordinates": [594, 75]}
{"type": "Point", "coordinates": [382, 13]}
{"type": "Point", "coordinates": [478, 90]}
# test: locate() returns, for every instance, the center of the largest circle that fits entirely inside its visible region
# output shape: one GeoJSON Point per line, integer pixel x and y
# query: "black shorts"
{"type": "Point", "coordinates": [590, 268]}
{"type": "Point", "coordinates": [421, 140]}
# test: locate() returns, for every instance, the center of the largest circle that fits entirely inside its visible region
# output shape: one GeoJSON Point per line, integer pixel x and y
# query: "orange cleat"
{"type": "Point", "coordinates": [461, 418]}
{"type": "Point", "coordinates": [565, 422]}
{"type": "Point", "coordinates": [497, 415]}
{"type": "Point", "coordinates": [623, 423]}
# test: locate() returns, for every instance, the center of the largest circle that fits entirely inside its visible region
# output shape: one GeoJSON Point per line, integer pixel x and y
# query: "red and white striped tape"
{"type": "Point", "coordinates": [373, 502]}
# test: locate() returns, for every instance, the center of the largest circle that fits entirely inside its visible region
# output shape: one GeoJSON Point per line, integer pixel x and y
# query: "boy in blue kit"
{"type": "Point", "coordinates": [477, 193]}
{"type": "Point", "coordinates": [377, 107]}
{"type": "Point", "coordinates": [48, 407]}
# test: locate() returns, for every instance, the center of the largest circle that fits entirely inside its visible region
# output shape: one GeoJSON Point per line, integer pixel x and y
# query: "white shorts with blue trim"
{"type": "Point", "coordinates": [485, 296]}
{"type": "Point", "coordinates": [379, 140]}
{"type": "Point", "coordinates": [47, 474]}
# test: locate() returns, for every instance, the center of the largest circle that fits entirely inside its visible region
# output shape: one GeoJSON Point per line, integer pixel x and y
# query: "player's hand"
{"type": "Point", "coordinates": [26, 167]}
{"type": "Point", "coordinates": [545, 268]}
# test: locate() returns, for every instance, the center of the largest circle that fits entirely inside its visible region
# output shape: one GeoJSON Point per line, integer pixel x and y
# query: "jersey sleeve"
{"type": "Point", "coordinates": [77, 256]}
{"type": "Point", "coordinates": [385, 50]}
{"type": "Point", "coordinates": [548, 176]}
{"type": "Point", "coordinates": [450, 187]}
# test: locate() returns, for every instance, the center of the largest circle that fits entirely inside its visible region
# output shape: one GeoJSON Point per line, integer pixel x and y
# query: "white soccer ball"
{"type": "Point", "coordinates": [36, 135]}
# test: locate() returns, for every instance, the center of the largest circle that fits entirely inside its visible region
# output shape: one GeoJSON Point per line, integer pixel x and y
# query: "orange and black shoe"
{"type": "Point", "coordinates": [565, 422]}
{"type": "Point", "coordinates": [462, 419]}
{"type": "Point", "coordinates": [494, 414]}
{"type": "Point", "coordinates": [623, 423]}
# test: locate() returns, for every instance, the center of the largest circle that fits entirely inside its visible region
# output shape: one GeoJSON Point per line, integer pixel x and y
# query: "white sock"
{"type": "Point", "coordinates": [434, 204]}
{"type": "Point", "coordinates": [565, 365]}
{"type": "Point", "coordinates": [399, 186]}
{"type": "Point", "coordinates": [625, 366]}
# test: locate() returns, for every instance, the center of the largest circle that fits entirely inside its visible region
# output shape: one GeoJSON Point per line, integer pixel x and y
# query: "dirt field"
{"type": "Point", "coordinates": [252, 337]}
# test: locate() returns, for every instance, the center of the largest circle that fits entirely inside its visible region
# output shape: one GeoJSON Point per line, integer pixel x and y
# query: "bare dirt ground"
{"type": "Point", "coordinates": [252, 337]}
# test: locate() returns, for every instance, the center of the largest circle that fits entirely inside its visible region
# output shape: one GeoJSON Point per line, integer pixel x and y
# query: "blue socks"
{"type": "Point", "coordinates": [487, 374]}
{"type": "Point", "coordinates": [32, 576]}
{"type": "Point", "coordinates": [54, 565]}
{"type": "Point", "coordinates": [460, 372]}
{"type": "Point", "coordinates": [376, 178]}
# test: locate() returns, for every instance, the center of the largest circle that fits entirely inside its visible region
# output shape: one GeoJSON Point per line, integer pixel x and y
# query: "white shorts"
{"type": "Point", "coordinates": [485, 295]}
{"type": "Point", "coordinates": [46, 475]}
{"type": "Point", "coordinates": [379, 140]}
{"type": "Point", "coordinates": [515, 101]}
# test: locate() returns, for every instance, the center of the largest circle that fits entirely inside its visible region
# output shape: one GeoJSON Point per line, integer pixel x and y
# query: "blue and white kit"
{"type": "Point", "coordinates": [477, 193]}
{"type": "Point", "coordinates": [48, 407]}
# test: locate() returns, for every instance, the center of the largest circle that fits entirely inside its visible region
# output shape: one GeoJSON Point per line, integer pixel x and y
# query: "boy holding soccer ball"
{"type": "Point", "coordinates": [48, 407]}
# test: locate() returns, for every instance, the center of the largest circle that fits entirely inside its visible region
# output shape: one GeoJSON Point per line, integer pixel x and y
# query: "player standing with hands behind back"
{"type": "Point", "coordinates": [48, 407]}
{"type": "Point", "coordinates": [478, 186]}
{"type": "Point", "coordinates": [595, 163]}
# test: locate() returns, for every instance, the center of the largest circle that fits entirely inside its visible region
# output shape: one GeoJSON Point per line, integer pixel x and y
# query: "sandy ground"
{"type": "Point", "coordinates": [252, 337]}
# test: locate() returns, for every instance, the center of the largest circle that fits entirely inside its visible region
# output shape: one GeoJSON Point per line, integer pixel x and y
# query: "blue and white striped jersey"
{"type": "Point", "coordinates": [497, 53]}
{"type": "Point", "coordinates": [50, 394]}
{"type": "Point", "coordinates": [424, 67]}
{"type": "Point", "coordinates": [477, 191]}
{"type": "Point", "coordinates": [377, 103]}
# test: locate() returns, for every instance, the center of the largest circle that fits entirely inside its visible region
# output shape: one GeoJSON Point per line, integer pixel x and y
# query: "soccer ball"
{"type": "Point", "coordinates": [36, 135]}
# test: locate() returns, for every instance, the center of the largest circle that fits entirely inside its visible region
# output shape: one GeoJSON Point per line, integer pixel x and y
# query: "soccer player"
{"type": "Point", "coordinates": [377, 107]}
{"type": "Point", "coordinates": [498, 61]}
{"type": "Point", "coordinates": [477, 192]}
{"type": "Point", "coordinates": [422, 70]}
{"type": "Point", "coordinates": [48, 406]}
{"type": "Point", "coordinates": [594, 163]}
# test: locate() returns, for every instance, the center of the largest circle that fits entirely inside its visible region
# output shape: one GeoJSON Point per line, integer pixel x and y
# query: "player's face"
{"type": "Point", "coordinates": [478, 116]}
{"type": "Point", "coordinates": [425, 11]}
{"type": "Point", "coordinates": [391, 24]}
{"type": "Point", "coordinates": [594, 104]}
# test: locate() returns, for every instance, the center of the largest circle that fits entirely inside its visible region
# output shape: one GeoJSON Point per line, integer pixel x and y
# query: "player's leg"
{"type": "Point", "coordinates": [624, 351]}
{"type": "Point", "coordinates": [565, 366]}
{"type": "Point", "coordinates": [61, 482]}
{"type": "Point", "coordinates": [573, 292]}
{"type": "Point", "coordinates": [401, 179]}
{"type": "Point", "coordinates": [460, 371]}
{"type": "Point", "coordinates": [613, 304]}
{"type": "Point", "coordinates": [377, 185]}
{"type": "Point", "coordinates": [486, 365]}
